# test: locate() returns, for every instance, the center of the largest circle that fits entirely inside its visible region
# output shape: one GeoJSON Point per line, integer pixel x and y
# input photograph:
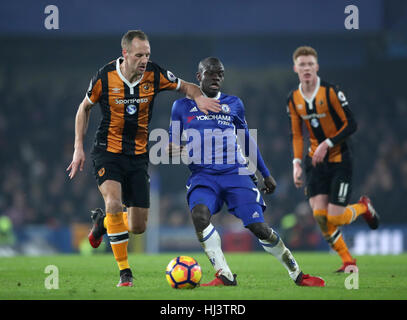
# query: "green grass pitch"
{"type": "Point", "coordinates": [260, 277]}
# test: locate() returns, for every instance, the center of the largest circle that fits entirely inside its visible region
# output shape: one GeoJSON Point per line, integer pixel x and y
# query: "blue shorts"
{"type": "Point", "coordinates": [238, 192]}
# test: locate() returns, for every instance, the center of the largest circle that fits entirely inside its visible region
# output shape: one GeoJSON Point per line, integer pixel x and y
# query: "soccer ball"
{"type": "Point", "coordinates": [183, 273]}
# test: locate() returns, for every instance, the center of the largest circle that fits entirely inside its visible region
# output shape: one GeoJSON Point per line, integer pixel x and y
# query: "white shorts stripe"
{"type": "Point", "coordinates": [345, 190]}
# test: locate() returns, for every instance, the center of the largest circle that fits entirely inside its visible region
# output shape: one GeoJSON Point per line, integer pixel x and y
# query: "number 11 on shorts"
{"type": "Point", "coordinates": [343, 191]}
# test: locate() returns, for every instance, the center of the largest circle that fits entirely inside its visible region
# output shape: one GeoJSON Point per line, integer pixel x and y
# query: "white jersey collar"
{"type": "Point", "coordinates": [313, 94]}
{"type": "Point", "coordinates": [131, 85]}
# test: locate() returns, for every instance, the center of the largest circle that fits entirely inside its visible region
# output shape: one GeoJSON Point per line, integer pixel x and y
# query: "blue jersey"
{"type": "Point", "coordinates": [214, 140]}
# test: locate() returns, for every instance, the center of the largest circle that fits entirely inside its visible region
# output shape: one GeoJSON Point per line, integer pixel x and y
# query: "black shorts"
{"type": "Point", "coordinates": [131, 171]}
{"type": "Point", "coordinates": [333, 179]}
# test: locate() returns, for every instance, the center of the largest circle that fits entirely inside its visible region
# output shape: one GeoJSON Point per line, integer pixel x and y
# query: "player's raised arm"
{"type": "Point", "coordinates": [204, 104]}
{"type": "Point", "coordinates": [81, 125]}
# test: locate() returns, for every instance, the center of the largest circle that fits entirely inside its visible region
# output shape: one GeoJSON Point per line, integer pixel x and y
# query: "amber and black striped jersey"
{"type": "Point", "coordinates": [127, 107]}
{"type": "Point", "coordinates": [327, 117]}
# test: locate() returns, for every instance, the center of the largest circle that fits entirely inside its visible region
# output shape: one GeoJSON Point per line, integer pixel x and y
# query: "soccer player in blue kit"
{"type": "Point", "coordinates": [220, 174]}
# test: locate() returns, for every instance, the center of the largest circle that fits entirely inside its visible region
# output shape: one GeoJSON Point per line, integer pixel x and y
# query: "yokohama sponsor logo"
{"type": "Point", "coordinates": [214, 117]}
{"type": "Point", "coordinates": [127, 101]}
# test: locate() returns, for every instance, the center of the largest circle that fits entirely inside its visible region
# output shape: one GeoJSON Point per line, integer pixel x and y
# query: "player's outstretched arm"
{"type": "Point", "coordinates": [204, 104]}
{"type": "Point", "coordinates": [81, 125]}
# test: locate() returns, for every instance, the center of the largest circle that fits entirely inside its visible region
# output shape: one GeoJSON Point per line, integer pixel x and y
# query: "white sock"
{"type": "Point", "coordinates": [280, 251]}
{"type": "Point", "coordinates": [211, 243]}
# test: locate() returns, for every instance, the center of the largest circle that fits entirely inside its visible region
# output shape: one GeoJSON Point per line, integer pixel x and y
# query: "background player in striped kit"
{"type": "Point", "coordinates": [125, 90]}
{"type": "Point", "coordinates": [328, 165]}
{"type": "Point", "coordinates": [216, 180]}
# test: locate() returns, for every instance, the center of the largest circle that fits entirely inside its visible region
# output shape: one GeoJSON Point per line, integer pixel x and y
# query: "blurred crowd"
{"type": "Point", "coordinates": [37, 134]}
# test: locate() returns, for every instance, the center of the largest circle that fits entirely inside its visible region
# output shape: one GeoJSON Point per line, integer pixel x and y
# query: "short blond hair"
{"type": "Point", "coordinates": [130, 35]}
{"type": "Point", "coordinates": [305, 51]}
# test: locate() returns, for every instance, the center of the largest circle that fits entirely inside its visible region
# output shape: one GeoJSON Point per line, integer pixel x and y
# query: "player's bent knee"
{"type": "Point", "coordinates": [138, 226]}
{"type": "Point", "coordinates": [138, 220]}
{"type": "Point", "coordinates": [201, 217]}
{"type": "Point", "coordinates": [138, 229]}
{"type": "Point", "coordinates": [113, 205]}
{"type": "Point", "coordinates": [260, 229]}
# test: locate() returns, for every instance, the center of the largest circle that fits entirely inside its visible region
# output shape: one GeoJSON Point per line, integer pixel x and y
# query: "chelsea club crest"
{"type": "Point", "coordinates": [225, 108]}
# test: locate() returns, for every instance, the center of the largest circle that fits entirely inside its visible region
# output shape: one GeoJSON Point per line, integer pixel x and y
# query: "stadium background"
{"type": "Point", "coordinates": [44, 75]}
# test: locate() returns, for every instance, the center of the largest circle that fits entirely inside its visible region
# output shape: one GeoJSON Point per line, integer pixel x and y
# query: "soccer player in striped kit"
{"type": "Point", "coordinates": [325, 111]}
{"type": "Point", "coordinates": [125, 89]}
